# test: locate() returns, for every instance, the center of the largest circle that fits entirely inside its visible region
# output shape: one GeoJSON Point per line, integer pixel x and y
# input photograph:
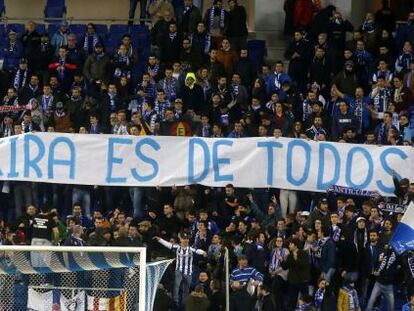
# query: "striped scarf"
{"type": "Point", "coordinates": [170, 88]}
{"type": "Point", "coordinates": [172, 35]}
{"type": "Point", "coordinates": [46, 104]}
{"type": "Point", "coordinates": [87, 47]}
{"type": "Point", "coordinates": [353, 297]}
{"type": "Point", "coordinates": [274, 261]}
{"type": "Point", "coordinates": [153, 71]}
{"type": "Point", "coordinates": [319, 295]}
{"type": "Point", "coordinates": [336, 233]}
{"type": "Point", "coordinates": [20, 79]}
{"type": "Point", "coordinates": [410, 263]}
{"type": "Point", "coordinates": [212, 13]}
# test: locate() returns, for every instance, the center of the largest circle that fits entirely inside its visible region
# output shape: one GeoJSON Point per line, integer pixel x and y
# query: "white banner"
{"type": "Point", "coordinates": [165, 161]}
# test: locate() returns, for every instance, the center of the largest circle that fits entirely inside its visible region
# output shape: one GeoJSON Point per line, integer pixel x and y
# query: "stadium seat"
{"type": "Point", "coordinates": [102, 30]}
{"type": "Point", "coordinates": [118, 29]}
{"type": "Point", "coordinates": [55, 8]}
{"type": "Point", "coordinates": [141, 41]}
{"type": "Point", "coordinates": [78, 29]}
{"type": "Point", "coordinates": [19, 28]}
{"type": "Point", "coordinates": [41, 28]}
{"type": "Point", "coordinates": [112, 42]}
{"type": "Point", "coordinates": [52, 28]}
{"type": "Point", "coordinates": [139, 29]}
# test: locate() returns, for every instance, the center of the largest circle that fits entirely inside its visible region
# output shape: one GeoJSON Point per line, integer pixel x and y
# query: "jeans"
{"type": "Point", "coordinates": [82, 197]}
{"type": "Point", "coordinates": [185, 280]}
{"type": "Point", "coordinates": [136, 194]}
{"type": "Point", "coordinates": [288, 201]}
{"type": "Point", "coordinates": [132, 7]}
{"type": "Point", "coordinates": [380, 289]}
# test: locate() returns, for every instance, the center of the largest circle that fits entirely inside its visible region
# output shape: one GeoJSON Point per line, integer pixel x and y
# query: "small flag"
{"type": "Point", "coordinates": [117, 303]}
{"type": "Point", "coordinates": [403, 238]}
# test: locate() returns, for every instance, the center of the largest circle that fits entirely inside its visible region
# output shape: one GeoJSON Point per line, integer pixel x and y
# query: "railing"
{"type": "Point", "coordinates": [71, 20]}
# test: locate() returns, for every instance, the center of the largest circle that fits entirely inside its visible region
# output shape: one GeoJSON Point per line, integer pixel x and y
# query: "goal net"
{"type": "Point", "coordinates": [52, 278]}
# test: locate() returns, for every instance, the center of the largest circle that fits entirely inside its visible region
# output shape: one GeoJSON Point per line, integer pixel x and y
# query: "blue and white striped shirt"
{"type": "Point", "coordinates": [184, 259]}
{"type": "Point", "coordinates": [244, 275]}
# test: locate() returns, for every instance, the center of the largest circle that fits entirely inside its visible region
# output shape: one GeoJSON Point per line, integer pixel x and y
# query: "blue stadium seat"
{"type": "Point", "coordinates": [55, 8]}
{"type": "Point", "coordinates": [141, 40]}
{"type": "Point", "coordinates": [112, 42]}
{"type": "Point", "coordinates": [41, 28]}
{"type": "Point", "coordinates": [19, 28]}
{"type": "Point", "coordinates": [78, 29]}
{"type": "Point", "coordinates": [118, 29]}
{"type": "Point", "coordinates": [102, 30]}
{"type": "Point", "coordinates": [139, 29]}
{"type": "Point", "coordinates": [52, 28]}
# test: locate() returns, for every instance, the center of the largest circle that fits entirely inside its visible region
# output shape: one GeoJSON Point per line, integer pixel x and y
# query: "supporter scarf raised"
{"type": "Point", "coordinates": [334, 189]}
{"type": "Point", "coordinates": [6, 109]}
{"type": "Point", "coordinates": [392, 208]}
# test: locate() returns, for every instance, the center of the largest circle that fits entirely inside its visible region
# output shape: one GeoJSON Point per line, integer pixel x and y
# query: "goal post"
{"type": "Point", "coordinates": [88, 277]}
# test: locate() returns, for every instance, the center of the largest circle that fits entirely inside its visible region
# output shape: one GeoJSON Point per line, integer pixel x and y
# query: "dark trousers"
{"type": "Point", "coordinates": [293, 294]}
{"type": "Point", "coordinates": [238, 43]}
{"type": "Point", "coordinates": [132, 7]}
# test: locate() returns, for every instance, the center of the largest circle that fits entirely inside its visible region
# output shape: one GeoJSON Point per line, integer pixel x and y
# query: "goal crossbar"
{"type": "Point", "coordinates": [92, 249]}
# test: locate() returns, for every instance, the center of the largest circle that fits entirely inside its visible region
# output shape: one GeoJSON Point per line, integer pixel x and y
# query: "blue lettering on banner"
{"type": "Point", "coordinates": [206, 155]}
{"type": "Point", "coordinates": [144, 158]}
{"type": "Point", "coordinates": [33, 163]}
{"type": "Point", "coordinates": [52, 161]}
{"type": "Point", "coordinates": [221, 161]}
{"type": "Point", "coordinates": [114, 160]}
{"type": "Point", "coordinates": [13, 154]}
{"type": "Point", "coordinates": [387, 168]}
{"type": "Point", "coordinates": [269, 145]}
{"type": "Point", "coordinates": [348, 171]}
{"type": "Point", "coordinates": [321, 184]}
{"type": "Point", "coordinates": [289, 159]}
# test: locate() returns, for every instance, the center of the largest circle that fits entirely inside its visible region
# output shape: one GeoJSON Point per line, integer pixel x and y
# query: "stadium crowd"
{"type": "Point", "coordinates": [289, 250]}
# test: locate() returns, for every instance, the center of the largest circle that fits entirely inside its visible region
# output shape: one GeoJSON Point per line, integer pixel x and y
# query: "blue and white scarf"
{"type": "Point", "coordinates": [87, 47]}
{"type": "Point", "coordinates": [170, 88]}
{"type": "Point", "coordinates": [212, 13]}
{"type": "Point", "coordinates": [20, 79]}
{"type": "Point", "coordinates": [274, 261]}
{"type": "Point", "coordinates": [153, 71]}
{"type": "Point", "coordinates": [46, 103]}
{"type": "Point", "coordinates": [319, 295]}
{"type": "Point", "coordinates": [353, 297]}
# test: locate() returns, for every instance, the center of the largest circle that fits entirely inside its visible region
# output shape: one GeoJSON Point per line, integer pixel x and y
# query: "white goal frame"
{"type": "Point", "coordinates": [94, 249]}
